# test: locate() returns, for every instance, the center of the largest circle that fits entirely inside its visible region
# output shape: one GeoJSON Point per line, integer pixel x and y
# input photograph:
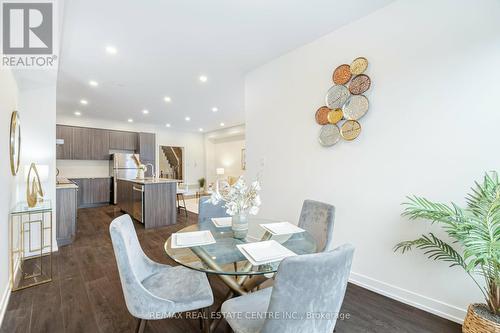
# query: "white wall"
{"type": "Point", "coordinates": [223, 150]}
{"type": "Point", "coordinates": [192, 142]}
{"type": "Point", "coordinates": [8, 103]}
{"type": "Point", "coordinates": [432, 129]}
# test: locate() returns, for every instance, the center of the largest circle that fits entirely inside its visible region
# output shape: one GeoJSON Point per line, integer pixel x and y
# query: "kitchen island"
{"type": "Point", "coordinates": [151, 201]}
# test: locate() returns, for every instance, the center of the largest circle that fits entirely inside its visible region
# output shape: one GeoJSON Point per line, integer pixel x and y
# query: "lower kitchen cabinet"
{"type": "Point", "coordinates": [93, 191]}
{"type": "Point", "coordinates": [66, 199]}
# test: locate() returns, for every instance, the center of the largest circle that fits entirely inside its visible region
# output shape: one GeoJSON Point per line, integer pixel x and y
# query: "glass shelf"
{"type": "Point", "coordinates": [41, 207]}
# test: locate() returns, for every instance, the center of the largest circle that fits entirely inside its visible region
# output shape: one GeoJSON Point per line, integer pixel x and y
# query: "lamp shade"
{"type": "Point", "coordinates": [219, 171]}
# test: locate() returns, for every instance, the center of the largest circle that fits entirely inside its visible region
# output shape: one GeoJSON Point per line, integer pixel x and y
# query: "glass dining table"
{"type": "Point", "coordinates": [224, 259]}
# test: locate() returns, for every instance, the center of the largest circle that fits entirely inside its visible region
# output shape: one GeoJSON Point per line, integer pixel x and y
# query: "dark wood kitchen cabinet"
{"type": "Point", "coordinates": [93, 191]}
{"type": "Point", "coordinates": [147, 151]}
{"type": "Point", "coordinates": [66, 215]}
{"type": "Point", "coordinates": [123, 140]}
{"type": "Point", "coordinates": [99, 144]}
{"type": "Point", "coordinates": [82, 143]}
{"type": "Point", "coordinates": [64, 149]}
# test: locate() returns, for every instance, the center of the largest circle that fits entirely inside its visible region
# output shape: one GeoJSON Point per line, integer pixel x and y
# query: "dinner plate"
{"type": "Point", "coordinates": [222, 222]}
{"type": "Point", "coordinates": [282, 228]}
{"type": "Point", "coordinates": [190, 239]}
{"type": "Point", "coordinates": [260, 253]}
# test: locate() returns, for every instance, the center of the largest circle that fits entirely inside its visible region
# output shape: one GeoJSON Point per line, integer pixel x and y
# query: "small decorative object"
{"type": "Point", "coordinates": [359, 84]}
{"type": "Point", "coordinates": [15, 142]}
{"type": "Point", "coordinates": [342, 74]}
{"type": "Point", "coordinates": [345, 104]}
{"type": "Point", "coordinates": [329, 135]}
{"type": "Point", "coordinates": [34, 191]}
{"type": "Point", "coordinates": [240, 200]}
{"type": "Point", "coordinates": [337, 96]}
{"type": "Point", "coordinates": [475, 230]}
{"type": "Point", "coordinates": [322, 115]}
{"type": "Point", "coordinates": [201, 183]}
{"type": "Point", "coordinates": [356, 107]}
{"type": "Point", "coordinates": [359, 65]}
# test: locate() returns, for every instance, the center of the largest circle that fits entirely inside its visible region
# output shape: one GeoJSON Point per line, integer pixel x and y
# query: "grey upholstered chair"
{"type": "Point", "coordinates": [207, 210]}
{"type": "Point", "coordinates": [153, 290]}
{"type": "Point", "coordinates": [307, 295]}
{"type": "Point", "coordinates": [318, 219]}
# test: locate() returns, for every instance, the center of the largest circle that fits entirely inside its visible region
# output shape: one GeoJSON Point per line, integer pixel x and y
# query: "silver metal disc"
{"type": "Point", "coordinates": [356, 107]}
{"type": "Point", "coordinates": [336, 96]}
{"type": "Point", "coordinates": [329, 135]}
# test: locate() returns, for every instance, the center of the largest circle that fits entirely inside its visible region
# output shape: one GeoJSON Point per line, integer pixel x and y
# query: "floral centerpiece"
{"type": "Point", "coordinates": [239, 200]}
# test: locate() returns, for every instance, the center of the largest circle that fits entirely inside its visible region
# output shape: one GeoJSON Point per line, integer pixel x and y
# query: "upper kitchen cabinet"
{"type": "Point", "coordinates": [82, 140]}
{"type": "Point", "coordinates": [64, 146]}
{"type": "Point", "coordinates": [123, 140]}
{"type": "Point", "coordinates": [147, 146]}
{"type": "Point", "coordinates": [99, 144]}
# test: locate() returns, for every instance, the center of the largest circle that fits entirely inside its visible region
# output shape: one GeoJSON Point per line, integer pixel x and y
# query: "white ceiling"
{"type": "Point", "coordinates": [164, 46]}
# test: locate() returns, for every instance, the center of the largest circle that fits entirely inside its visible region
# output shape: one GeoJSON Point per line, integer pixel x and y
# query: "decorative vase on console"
{"type": "Point", "coordinates": [240, 201]}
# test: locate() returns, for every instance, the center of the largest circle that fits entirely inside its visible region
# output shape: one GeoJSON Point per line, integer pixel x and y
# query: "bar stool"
{"type": "Point", "coordinates": [180, 196]}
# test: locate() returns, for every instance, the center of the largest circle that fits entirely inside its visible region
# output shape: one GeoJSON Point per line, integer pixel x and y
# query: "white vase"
{"type": "Point", "coordinates": [239, 225]}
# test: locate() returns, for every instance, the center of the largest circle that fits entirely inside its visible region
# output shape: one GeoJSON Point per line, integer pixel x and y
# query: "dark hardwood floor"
{"type": "Point", "coordinates": [85, 294]}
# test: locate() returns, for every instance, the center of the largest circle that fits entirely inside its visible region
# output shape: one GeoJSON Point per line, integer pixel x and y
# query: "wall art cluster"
{"type": "Point", "coordinates": [345, 103]}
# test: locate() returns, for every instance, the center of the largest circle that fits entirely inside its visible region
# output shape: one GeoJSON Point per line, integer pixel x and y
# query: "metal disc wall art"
{"type": "Point", "coordinates": [345, 103]}
{"type": "Point", "coordinates": [359, 84]}
{"type": "Point", "coordinates": [329, 135]}
{"type": "Point", "coordinates": [336, 96]}
{"type": "Point", "coordinates": [359, 65]}
{"type": "Point", "coordinates": [342, 74]}
{"type": "Point", "coordinates": [356, 107]}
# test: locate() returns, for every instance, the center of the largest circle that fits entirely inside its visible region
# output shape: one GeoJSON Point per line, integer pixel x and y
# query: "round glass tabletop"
{"type": "Point", "coordinates": [224, 258]}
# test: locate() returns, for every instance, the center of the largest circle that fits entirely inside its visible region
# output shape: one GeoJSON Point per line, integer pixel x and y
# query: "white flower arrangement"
{"type": "Point", "coordinates": [239, 198]}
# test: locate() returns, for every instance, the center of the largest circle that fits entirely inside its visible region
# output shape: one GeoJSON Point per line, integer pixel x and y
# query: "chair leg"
{"type": "Point", "coordinates": [141, 324]}
{"type": "Point", "coordinates": [206, 320]}
{"type": "Point", "coordinates": [184, 203]}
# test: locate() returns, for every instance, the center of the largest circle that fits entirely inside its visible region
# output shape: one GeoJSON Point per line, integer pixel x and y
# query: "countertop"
{"type": "Point", "coordinates": [147, 181]}
{"type": "Point", "coordinates": [64, 183]}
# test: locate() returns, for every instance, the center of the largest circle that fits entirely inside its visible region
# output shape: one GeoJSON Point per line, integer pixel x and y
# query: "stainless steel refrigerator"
{"type": "Point", "coordinates": [121, 166]}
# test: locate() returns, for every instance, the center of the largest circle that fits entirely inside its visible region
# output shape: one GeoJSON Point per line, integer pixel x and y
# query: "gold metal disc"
{"type": "Point", "coordinates": [350, 130]}
{"type": "Point", "coordinates": [359, 65]}
{"type": "Point", "coordinates": [335, 116]}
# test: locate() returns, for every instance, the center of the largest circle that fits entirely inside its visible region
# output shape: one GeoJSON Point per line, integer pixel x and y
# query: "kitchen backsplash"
{"type": "Point", "coordinates": [82, 169]}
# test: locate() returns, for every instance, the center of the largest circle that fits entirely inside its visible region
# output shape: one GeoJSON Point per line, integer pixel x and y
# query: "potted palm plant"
{"type": "Point", "coordinates": [475, 231]}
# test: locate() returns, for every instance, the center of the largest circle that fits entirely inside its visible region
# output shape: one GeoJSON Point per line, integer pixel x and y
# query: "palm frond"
{"type": "Point", "coordinates": [434, 248]}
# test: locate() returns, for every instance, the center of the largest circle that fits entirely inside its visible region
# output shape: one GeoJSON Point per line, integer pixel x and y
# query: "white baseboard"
{"type": "Point", "coordinates": [421, 302]}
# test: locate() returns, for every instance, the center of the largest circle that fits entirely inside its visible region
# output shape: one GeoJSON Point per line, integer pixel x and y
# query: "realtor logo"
{"type": "Point", "coordinates": [28, 34]}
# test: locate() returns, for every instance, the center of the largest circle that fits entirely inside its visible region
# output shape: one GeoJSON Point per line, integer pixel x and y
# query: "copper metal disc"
{"type": "Point", "coordinates": [356, 107]}
{"type": "Point", "coordinates": [336, 96]}
{"type": "Point", "coordinates": [342, 74]}
{"type": "Point", "coordinates": [359, 84]}
{"type": "Point", "coordinates": [350, 130]}
{"type": "Point", "coordinates": [335, 116]}
{"type": "Point", "coordinates": [359, 65]}
{"type": "Point", "coordinates": [329, 135]}
{"type": "Point", "coordinates": [322, 115]}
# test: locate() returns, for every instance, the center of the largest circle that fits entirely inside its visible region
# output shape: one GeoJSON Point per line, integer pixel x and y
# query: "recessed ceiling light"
{"type": "Point", "coordinates": [203, 78]}
{"type": "Point", "coordinates": [77, 113]}
{"type": "Point", "coordinates": [84, 102]}
{"type": "Point", "coordinates": [187, 118]}
{"type": "Point", "coordinates": [145, 111]}
{"type": "Point", "coordinates": [93, 83]}
{"type": "Point", "coordinates": [111, 49]}
{"type": "Point", "coordinates": [200, 129]}
{"type": "Point", "coordinates": [167, 99]}
{"type": "Point", "coordinates": [130, 120]}
{"type": "Point", "coordinates": [222, 124]}
{"type": "Point", "coordinates": [215, 109]}
{"type": "Point", "coordinates": [168, 125]}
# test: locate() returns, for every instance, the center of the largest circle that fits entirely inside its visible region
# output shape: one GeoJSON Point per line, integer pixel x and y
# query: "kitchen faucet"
{"type": "Point", "coordinates": [152, 169]}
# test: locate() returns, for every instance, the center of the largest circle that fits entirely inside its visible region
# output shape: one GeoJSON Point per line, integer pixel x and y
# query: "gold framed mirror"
{"type": "Point", "coordinates": [15, 142]}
